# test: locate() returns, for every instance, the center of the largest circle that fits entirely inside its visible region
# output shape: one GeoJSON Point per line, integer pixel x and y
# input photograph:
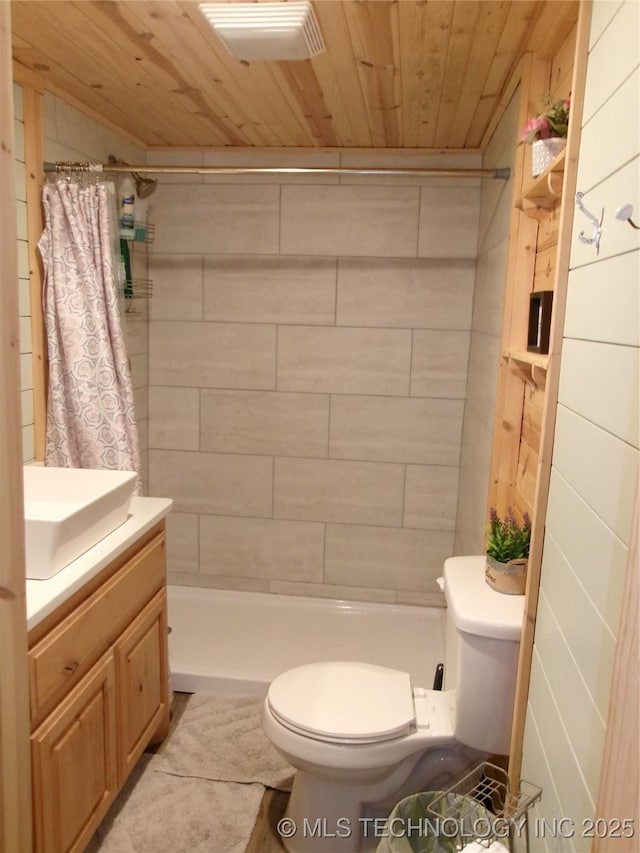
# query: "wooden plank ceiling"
{"type": "Point", "coordinates": [395, 74]}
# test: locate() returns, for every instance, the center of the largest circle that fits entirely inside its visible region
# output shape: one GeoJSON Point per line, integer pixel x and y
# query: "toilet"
{"type": "Point", "coordinates": [361, 736]}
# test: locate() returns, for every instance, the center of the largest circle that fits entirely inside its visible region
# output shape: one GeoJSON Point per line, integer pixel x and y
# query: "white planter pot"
{"type": "Point", "coordinates": [543, 152]}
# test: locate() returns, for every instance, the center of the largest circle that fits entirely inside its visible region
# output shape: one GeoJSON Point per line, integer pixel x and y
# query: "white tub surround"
{"type": "Point", "coordinates": [233, 643]}
{"type": "Point", "coordinates": [44, 596]}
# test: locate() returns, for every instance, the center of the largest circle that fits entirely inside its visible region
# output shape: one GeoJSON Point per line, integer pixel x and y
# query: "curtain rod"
{"type": "Point", "coordinates": [65, 168]}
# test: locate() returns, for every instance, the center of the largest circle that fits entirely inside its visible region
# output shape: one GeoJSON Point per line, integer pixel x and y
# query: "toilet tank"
{"type": "Point", "coordinates": [481, 654]}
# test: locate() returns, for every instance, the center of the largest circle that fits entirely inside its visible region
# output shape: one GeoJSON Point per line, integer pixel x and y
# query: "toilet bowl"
{"type": "Point", "coordinates": [361, 737]}
{"type": "Point", "coordinates": [358, 750]}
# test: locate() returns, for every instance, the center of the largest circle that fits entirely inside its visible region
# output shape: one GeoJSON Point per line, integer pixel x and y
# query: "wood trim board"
{"type": "Point", "coordinates": [33, 153]}
{"type": "Point", "coordinates": [551, 395]}
{"type": "Point", "coordinates": [15, 761]}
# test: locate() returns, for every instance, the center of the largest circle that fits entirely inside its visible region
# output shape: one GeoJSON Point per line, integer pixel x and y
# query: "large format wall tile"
{"type": "Point", "coordinates": [234, 582]}
{"type": "Point", "coordinates": [259, 548]}
{"type": "Point", "coordinates": [308, 371]}
{"type": "Point", "coordinates": [412, 294]}
{"type": "Point", "coordinates": [396, 430]}
{"type": "Point", "coordinates": [344, 361]}
{"type": "Point", "coordinates": [431, 493]}
{"type": "Point", "coordinates": [226, 484]}
{"type": "Point", "coordinates": [482, 379]}
{"type": "Point", "coordinates": [267, 289]}
{"type": "Point", "coordinates": [496, 211]}
{"type": "Point", "coordinates": [213, 355]}
{"type": "Point", "coordinates": [327, 590]}
{"type": "Point", "coordinates": [488, 293]}
{"type": "Point", "coordinates": [448, 222]}
{"type": "Point", "coordinates": [281, 424]}
{"type": "Point", "coordinates": [217, 218]}
{"type": "Point", "coordinates": [439, 364]}
{"type": "Point", "coordinates": [177, 287]}
{"type": "Point", "coordinates": [174, 415]}
{"type": "Point", "coordinates": [349, 220]}
{"type": "Point", "coordinates": [333, 490]}
{"type": "Point", "coordinates": [182, 543]}
{"type": "Point", "coordinates": [385, 557]}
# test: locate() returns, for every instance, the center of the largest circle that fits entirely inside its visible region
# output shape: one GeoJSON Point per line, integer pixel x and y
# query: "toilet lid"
{"type": "Point", "coordinates": [344, 701]}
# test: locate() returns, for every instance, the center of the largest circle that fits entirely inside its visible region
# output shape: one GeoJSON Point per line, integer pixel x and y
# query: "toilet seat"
{"type": "Point", "coordinates": [344, 702]}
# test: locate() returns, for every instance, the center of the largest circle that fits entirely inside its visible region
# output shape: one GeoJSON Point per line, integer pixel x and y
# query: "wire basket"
{"type": "Point", "coordinates": [486, 785]}
{"type": "Point", "coordinates": [139, 232]}
{"type": "Point", "coordinates": [144, 232]}
{"type": "Point", "coordinates": [138, 288]}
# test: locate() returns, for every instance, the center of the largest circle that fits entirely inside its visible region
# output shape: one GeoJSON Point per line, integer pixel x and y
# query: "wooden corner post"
{"type": "Point", "coordinates": [15, 762]}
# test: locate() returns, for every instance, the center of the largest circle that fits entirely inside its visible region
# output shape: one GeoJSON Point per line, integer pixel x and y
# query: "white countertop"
{"type": "Point", "coordinates": [43, 596]}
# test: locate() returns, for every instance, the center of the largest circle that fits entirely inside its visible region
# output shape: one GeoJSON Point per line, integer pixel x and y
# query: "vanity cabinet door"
{"type": "Point", "coordinates": [74, 763]}
{"type": "Point", "coordinates": [142, 683]}
{"type": "Point", "coordinates": [60, 659]}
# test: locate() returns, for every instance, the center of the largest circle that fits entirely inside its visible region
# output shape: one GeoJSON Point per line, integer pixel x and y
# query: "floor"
{"type": "Point", "coordinates": [264, 837]}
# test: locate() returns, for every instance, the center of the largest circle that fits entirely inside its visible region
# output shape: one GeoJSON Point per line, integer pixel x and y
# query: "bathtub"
{"type": "Point", "coordinates": [235, 643]}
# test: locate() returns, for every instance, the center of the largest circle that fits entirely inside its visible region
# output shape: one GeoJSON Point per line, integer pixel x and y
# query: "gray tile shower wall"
{"type": "Point", "coordinates": [309, 341]}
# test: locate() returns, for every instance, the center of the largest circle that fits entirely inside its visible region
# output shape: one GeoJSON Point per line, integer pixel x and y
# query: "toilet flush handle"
{"type": "Point", "coordinates": [440, 582]}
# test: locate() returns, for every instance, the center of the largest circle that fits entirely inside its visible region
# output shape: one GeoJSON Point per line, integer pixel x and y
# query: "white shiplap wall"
{"type": "Point", "coordinates": [26, 376]}
{"type": "Point", "coordinates": [595, 460]}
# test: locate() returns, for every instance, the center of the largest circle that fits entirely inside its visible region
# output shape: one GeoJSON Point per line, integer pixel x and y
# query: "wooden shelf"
{"type": "Point", "coordinates": [526, 357]}
{"type": "Point", "coordinates": [543, 193]}
{"type": "Point", "coordinates": [532, 366]}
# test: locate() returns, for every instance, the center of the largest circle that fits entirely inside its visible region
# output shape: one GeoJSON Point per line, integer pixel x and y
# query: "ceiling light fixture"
{"type": "Point", "coordinates": [265, 31]}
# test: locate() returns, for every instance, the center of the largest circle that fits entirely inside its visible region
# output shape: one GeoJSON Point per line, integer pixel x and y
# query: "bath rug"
{"type": "Point", "coordinates": [157, 812]}
{"type": "Point", "coordinates": [221, 739]}
{"type": "Point", "coordinates": [201, 790]}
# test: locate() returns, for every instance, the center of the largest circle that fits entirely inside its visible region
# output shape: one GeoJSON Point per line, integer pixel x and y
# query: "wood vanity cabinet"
{"type": "Point", "coordinates": [98, 692]}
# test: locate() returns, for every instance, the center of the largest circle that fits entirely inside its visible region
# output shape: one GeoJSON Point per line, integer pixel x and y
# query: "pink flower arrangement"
{"type": "Point", "coordinates": [553, 122]}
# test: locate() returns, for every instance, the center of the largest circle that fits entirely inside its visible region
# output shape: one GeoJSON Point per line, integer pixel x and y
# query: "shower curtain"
{"type": "Point", "coordinates": [90, 412]}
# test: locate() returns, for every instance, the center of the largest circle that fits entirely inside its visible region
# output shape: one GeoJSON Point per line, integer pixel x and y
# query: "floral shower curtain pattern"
{"type": "Point", "coordinates": [90, 412]}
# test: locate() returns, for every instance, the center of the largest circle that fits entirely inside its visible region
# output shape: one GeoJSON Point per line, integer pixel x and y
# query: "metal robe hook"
{"type": "Point", "coordinates": [624, 213]}
{"type": "Point", "coordinates": [597, 224]}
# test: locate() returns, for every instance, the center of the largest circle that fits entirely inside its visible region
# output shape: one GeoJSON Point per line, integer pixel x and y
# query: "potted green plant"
{"type": "Point", "coordinates": [507, 552]}
{"type": "Point", "coordinates": [547, 134]}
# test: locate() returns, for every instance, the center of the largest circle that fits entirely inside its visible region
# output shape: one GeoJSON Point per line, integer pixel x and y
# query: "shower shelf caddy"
{"type": "Point", "coordinates": [137, 288]}
{"type": "Point", "coordinates": [487, 785]}
{"type": "Point", "coordinates": [142, 232]}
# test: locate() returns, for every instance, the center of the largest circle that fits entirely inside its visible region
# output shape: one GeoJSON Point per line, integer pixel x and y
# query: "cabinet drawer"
{"type": "Point", "coordinates": [59, 660]}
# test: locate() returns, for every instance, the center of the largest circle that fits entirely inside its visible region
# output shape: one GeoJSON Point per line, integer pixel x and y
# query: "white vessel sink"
{"type": "Point", "coordinates": [67, 511]}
